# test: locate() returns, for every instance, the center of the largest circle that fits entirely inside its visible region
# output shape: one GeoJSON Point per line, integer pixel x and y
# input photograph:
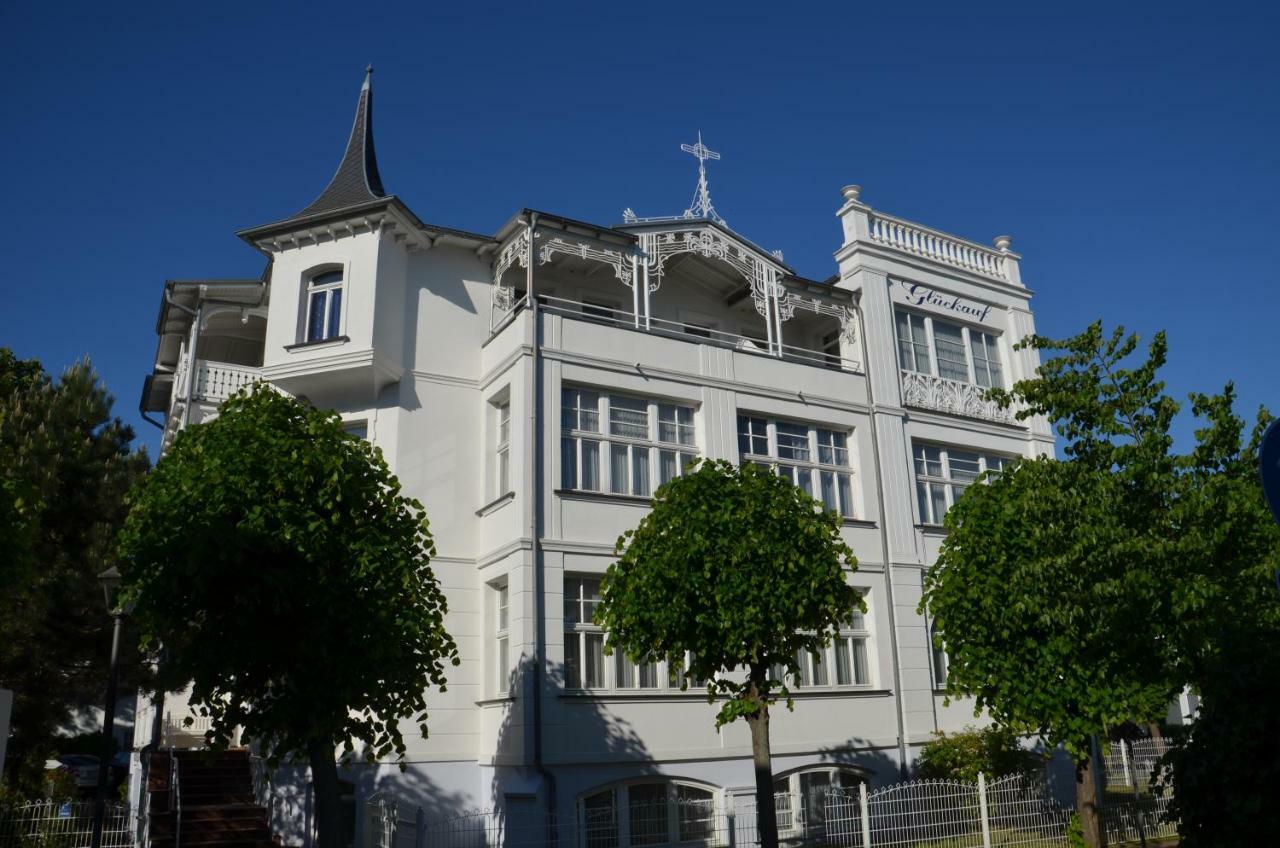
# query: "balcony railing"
{"type": "Point", "coordinates": [690, 332]}
{"type": "Point", "coordinates": [926, 391]}
{"type": "Point", "coordinates": [217, 381]}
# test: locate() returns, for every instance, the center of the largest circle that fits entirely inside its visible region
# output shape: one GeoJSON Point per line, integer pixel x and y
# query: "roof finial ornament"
{"type": "Point", "coordinates": [701, 206]}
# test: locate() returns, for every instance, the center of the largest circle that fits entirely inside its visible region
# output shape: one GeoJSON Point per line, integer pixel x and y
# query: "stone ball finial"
{"type": "Point", "coordinates": [1003, 243]}
{"type": "Point", "coordinates": [852, 193]}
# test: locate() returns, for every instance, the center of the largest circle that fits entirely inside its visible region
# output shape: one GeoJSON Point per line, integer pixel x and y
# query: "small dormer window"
{"type": "Point", "coordinates": [324, 306]}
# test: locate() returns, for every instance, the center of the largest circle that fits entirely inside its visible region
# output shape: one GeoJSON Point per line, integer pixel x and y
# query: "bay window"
{"type": "Point", "coordinates": [644, 441]}
{"type": "Point", "coordinates": [943, 474]}
{"type": "Point", "coordinates": [961, 353]}
{"type": "Point", "coordinates": [816, 459]}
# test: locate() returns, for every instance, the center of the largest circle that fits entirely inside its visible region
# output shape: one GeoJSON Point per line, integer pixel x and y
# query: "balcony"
{"type": "Point", "coordinates": [925, 391]}
{"type": "Point", "coordinates": [655, 326]}
{"type": "Point", "coordinates": [217, 381]}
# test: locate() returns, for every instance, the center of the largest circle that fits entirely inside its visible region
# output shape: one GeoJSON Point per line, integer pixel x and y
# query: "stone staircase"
{"type": "Point", "coordinates": [218, 808]}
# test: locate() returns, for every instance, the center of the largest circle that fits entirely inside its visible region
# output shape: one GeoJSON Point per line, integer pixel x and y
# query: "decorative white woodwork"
{"type": "Point", "coordinates": [938, 246]}
{"type": "Point", "coordinates": [217, 381]}
{"type": "Point", "coordinates": [926, 391]}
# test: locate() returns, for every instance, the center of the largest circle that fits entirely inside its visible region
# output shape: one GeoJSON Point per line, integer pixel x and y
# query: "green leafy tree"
{"type": "Point", "coordinates": [1076, 594]}
{"type": "Point", "coordinates": [287, 577]}
{"type": "Point", "coordinates": [742, 570]}
{"type": "Point", "coordinates": [65, 466]}
{"type": "Point", "coordinates": [993, 751]}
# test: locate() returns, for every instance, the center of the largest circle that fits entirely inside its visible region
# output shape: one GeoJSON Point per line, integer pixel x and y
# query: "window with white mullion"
{"type": "Point", "coordinates": [844, 661]}
{"type": "Point", "coordinates": [324, 306]}
{"type": "Point", "coordinates": [585, 663]}
{"type": "Point", "coordinates": [930, 345]}
{"type": "Point", "coordinates": [622, 444]}
{"type": "Point", "coordinates": [944, 473]}
{"type": "Point", "coordinates": [815, 459]}
{"type": "Point", "coordinates": [502, 638]}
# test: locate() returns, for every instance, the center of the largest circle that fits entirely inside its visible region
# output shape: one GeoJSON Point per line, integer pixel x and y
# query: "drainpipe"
{"type": "Point", "coordinates": [535, 528]}
{"type": "Point", "coordinates": [888, 566]}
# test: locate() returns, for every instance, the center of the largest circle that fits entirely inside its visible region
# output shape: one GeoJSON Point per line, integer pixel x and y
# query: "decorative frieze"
{"type": "Point", "coordinates": [926, 391]}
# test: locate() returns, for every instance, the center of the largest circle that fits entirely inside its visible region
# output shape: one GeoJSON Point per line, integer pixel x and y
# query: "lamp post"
{"type": "Point", "coordinates": [110, 580]}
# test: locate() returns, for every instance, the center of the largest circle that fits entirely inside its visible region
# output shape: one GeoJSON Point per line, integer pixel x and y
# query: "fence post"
{"type": "Point", "coordinates": [731, 821]}
{"type": "Point", "coordinates": [1124, 762]}
{"type": "Point", "coordinates": [419, 828]}
{"type": "Point", "coordinates": [866, 818]}
{"type": "Point", "coordinates": [982, 810]}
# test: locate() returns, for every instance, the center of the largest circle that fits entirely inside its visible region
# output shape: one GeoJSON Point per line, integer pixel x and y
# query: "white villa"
{"type": "Point", "coordinates": [532, 387]}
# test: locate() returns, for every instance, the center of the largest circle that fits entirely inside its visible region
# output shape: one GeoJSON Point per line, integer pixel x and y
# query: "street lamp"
{"type": "Point", "coordinates": [110, 581]}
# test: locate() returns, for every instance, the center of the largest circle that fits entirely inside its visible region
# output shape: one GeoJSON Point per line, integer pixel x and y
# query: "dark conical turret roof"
{"type": "Point", "coordinates": [357, 180]}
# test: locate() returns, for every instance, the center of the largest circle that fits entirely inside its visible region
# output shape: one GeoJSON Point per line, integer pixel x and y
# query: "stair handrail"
{"type": "Point", "coordinates": [175, 797]}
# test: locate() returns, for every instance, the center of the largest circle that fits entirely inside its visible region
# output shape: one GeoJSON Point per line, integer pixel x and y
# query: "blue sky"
{"type": "Point", "coordinates": [1130, 150]}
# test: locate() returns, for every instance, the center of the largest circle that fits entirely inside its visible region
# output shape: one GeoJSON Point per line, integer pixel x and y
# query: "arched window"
{"type": "Point", "coordinates": [801, 797]}
{"type": "Point", "coordinates": [324, 306]}
{"type": "Point", "coordinates": [647, 813]}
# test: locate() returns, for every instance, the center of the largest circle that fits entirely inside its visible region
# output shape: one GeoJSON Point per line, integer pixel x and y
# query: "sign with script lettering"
{"type": "Point", "coordinates": [918, 294]}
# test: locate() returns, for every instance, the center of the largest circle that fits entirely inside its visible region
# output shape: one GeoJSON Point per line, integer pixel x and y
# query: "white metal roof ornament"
{"type": "Point", "coordinates": [700, 208]}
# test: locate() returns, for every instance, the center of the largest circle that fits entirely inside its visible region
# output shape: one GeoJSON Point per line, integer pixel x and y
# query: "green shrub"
{"type": "Point", "coordinates": [960, 756]}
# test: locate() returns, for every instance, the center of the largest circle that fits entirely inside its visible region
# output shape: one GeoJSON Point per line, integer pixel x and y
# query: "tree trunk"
{"type": "Point", "coordinates": [766, 812]}
{"type": "Point", "coordinates": [324, 777]}
{"type": "Point", "coordinates": [1087, 804]}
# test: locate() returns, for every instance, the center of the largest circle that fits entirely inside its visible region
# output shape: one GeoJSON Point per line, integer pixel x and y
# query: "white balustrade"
{"type": "Point", "coordinates": [939, 247]}
{"type": "Point", "coordinates": [926, 391]}
{"type": "Point", "coordinates": [217, 381]}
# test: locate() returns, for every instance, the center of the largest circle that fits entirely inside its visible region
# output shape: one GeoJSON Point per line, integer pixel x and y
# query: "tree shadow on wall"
{"type": "Point", "coordinates": [580, 727]}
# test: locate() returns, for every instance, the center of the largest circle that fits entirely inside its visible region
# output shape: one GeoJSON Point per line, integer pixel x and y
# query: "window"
{"type": "Point", "coordinates": [986, 359]}
{"type": "Point", "coordinates": [831, 348]}
{"type": "Point", "coordinates": [942, 475]}
{"type": "Point", "coordinates": [644, 440]}
{"type": "Point", "coordinates": [843, 662]}
{"type": "Point", "coordinates": [649, 813]}
{"type": "Point", "coordinates": [913, 342]}
{"type": "Point", "coordinates": [502, 641]}
{"type": "Point", "coordinates": [502, 447]}
{"type": "Point", "coordinates": [585, 663]}
{"type": "Point", "coordinates": [963, 354]}
{"type": "Point", "coordinates": [814, 458]}
{"type": "Point", "coordinates": [801, 798]}
{"type": "Point", "coordinates": [324, 306]}
{"type": "Point", "coordinates": [939, 658]}
{"type": "Point", "coordinates": [583, 638]}
{"type": "Point", "coordinates": [359, 429]}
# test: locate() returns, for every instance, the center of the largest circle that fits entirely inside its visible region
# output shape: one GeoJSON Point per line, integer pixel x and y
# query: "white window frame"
{"type": "Point", "coordinates": [968, 336]}
{"type": "Point", "coordinates": [825, 458]}
{"type": "Point", "coordinates": [858, 637]}
{"type": "Point", "coordinates": [501, 594]}
{"type": "Point", "coordinates": [938, 658]}
{"type": "Point", "coordinates": [334, 323]}
{"type": "Point", "coordinates": [944, 483]}
{"type": "Point", "coordinates": [622, 810]}
{"type": "Point", "coordinates": [789, 803]}
{"type": "Point", "coordinates": [589, 418]}
{"type": "Point", "coordinates": [617, 673]}
{"type": "Point", "coordinates": [500, 417]}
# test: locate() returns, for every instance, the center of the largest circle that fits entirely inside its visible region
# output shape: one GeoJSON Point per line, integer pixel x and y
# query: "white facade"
{"type": "Point", "coordinates": [435, 351]}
